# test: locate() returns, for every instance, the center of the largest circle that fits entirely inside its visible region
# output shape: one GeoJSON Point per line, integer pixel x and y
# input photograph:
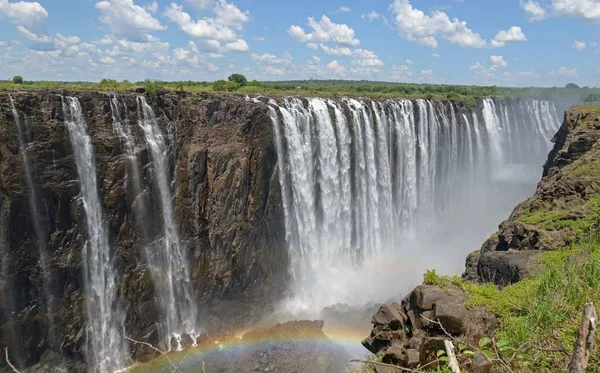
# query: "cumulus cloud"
{"type": "Point", "coordinates": [28, 17]}
{"type": "Point", "coordinates": [579, 45]}
{"type": "Point", "coordinates": [365, 57]}
{"type": "Point", "coordinates": [230, 15]}
{"type": "Point", "coordinates": [270, 59]}
{"type": "Point", "coordinates": [336, 67]}
{"type": "Point", "coordinates": [400, 72]}
{"type": "Point", "coordinates": [414, 25]}
{"type": "Point", "coordinates": [217, 33]}
{"type": "Point", "coordinates": [259, 38]}
{"type": "Point", "coordinates": [200, 4]}
{"type": "Point", "coordinates": [563, 71]}
{"type": "Point", "coordinates": [325, 30]}
{"type": "Point", "coordinates": [512, 34]}
{"type": "Point", "coordinates": [534, 10]}
{"type": "Point", "coordinates": [588, 10]}
{"type": "Point", "coordinates": [373, 15]}
{"type": "Point", "coordinates": [426, 72]}
{"type": "Point", "coordinates": [127, 20]}
{"type": "Point", "coordinates": [409, 62]}
{"type": "Point", "coordinates": [345, 9]}
{"type": "Point", "coordinates": [436, 55]}
{"type": "Point", "coordinates": [270, 70]}
{"type": "Point", "coordinates": [498, 62]}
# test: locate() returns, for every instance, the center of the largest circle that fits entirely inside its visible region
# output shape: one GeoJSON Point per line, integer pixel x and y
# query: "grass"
{"type": "Point", "coordinates": [462, 95]}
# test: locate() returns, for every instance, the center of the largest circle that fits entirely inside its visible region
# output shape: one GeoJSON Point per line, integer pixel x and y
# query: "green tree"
{"type": "Point", "coordinates": [572, 86]}
{"type": "Point", "coordinates": [17, 79]}
{"type": "Point", "coordinates": [238, 78]}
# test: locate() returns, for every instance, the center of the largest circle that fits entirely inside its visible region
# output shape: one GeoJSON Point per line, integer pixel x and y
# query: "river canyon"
{"type": "Point", "coordinates": [166, 218]}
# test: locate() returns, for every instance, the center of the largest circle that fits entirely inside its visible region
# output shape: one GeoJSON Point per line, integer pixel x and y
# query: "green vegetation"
{"type": "Point", "coordinates": [463, 95]}
{"type": "Point", "coordinates": [17, 79]}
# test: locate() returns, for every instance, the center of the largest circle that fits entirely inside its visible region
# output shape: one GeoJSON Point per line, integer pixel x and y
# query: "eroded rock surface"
{"type": "Point", "coordinates": [226, 201]}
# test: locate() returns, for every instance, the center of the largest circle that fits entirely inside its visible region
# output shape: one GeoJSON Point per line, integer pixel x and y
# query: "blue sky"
{"type": "Point", "coordinates": [502, 42]}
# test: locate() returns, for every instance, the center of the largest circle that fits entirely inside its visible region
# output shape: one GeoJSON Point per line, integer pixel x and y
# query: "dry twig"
{"type": "Point", "coordinates": [8, 361]}
{"type": "Point", "coordinates": [175, 367]}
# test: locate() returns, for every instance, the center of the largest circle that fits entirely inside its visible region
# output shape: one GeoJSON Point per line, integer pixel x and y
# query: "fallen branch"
{"type": "Point", "coordinates": [586, 341]}
{"type": "Point", "coordinates": [8, 361]}
{"type": "Point", "coordinates": [175, 367]}
{"type": "Point", "coordinates": [452, 363]}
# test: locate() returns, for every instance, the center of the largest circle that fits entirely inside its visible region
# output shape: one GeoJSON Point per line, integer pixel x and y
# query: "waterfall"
{"type": "Point", "coordinates": [168, 261]}
{"type": "Point", "coordinates": [376, 192]}
{"type": "Point", "coordinates": [106, 349]}
{"type": "Point", "coordinates": [40, 236]}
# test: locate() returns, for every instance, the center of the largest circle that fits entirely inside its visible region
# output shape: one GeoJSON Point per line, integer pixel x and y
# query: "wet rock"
{"type": "Point", "coordinates": [412, 358]}
{"type": "Point", "coordinates": [394, 355]}
{"type": "Point", "coordinates": [429, 349]}
{"type": "Point", "coordinates": [481, 363]}
{"type": "Point", "coordinates": [390, 314]}
{"type": "Point", "coordinates": [507, 267]}
{"type": "Point", "coordinates": [451, 315]}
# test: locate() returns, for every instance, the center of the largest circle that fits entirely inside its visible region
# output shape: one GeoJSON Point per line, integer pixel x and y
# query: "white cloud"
{"type": "Point", "coordinates": [414, 25]}
{"type": "Point", "coordinates": [259, 38]}
{"type": "Point", "coordinates": [230, 15]}
{"type": "Point", "coordinates": [579, 45]}
{"type": "Point", "coordinates": [409, 62]}
{"type": "Point", "coordinates": [151, 7]}
{"type": "Point", "coordinates": [427, 72]}
{"type": "Point", "coordinates": [127, 20]}
{"type": "Point", "coordinates": [270, 59]}
{"type": "Point", "coordinates": [588, 10]}
{"type": "Point", "coordinates": [270, 70]}
{"type": "Point", "coordinates": [512, 34]}
{"type": "Point", "coordinates": [200, 4]}
{"type": "Point", "coordinates": [534, 9]}
{"type": "Point", "coordinates": [477, 67]}
{"type": "Point", "coordinates": [563, 71]}
{"type": "Point", "coordinates": [313, 46]}
{"type": "Point", "coordinates": [401, 72]}
{"type": "Point", "coordinates": [436, 55]}
{"type": "Point", "coordinates": [498, 62]}
{"type": "Point", "coordinates": [364, 57]}
{"type": "Point", "coordinates": [316, 59]}
{"type": "Point", "coordinates": [239, 45]}
{"type": "Point", "coordinates": [345, 9]}
{"type": "Point", "coordinates": [217, 33]}
{"type": "Point", "coordinates": [337, 51]}
{"type": "Point", "coordinates": [325, 31]}
{"type": "Point", "coordinates": [28, 17]}
{"type": "Point", "coordinates": [337, 67]}
{"type": "Point", "coordinates": [373, 15]}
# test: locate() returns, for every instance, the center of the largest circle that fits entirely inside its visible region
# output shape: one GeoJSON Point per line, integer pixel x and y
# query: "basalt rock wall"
{"type": "Point", "coordinates": [226, 199]}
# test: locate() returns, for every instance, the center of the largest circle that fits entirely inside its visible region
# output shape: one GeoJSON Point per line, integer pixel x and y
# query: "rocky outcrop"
{"type": "Point", "coordinates": [411, 333]}
{"type": "Point", "coordinates": [226, 201]}
{"type": "Point", "coordinates": [556, 215]}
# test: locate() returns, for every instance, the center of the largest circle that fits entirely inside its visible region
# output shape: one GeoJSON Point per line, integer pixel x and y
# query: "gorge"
{"type": "Point", "coordinates": [167, 217]}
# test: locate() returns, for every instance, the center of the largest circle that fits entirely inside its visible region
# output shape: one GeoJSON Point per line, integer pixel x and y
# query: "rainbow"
{"type": "Point", "coordinates": [261, 338]}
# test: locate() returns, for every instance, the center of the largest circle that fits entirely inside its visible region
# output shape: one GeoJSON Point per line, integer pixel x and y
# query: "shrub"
{"type": "Point", "coordinates": [238, 78]}
{"type": "Point", "coordinates": [17, 79]}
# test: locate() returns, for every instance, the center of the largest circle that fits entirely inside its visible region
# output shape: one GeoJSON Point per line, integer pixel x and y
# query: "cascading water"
{"type": "Point", "coordinates": [374, 192]}
{"type": "Point", "coordinates": [168, 261]}
{"type": "Point", "coordinates": [106, 349]}
{"type": "Point", "coordinates": [40, 236]}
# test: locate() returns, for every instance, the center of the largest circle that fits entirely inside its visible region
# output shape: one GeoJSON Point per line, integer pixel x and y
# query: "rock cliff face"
{"type": "Point", "coordinates": [555, 216]}
{"type": "Point", "coordinates": [226, 201]}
